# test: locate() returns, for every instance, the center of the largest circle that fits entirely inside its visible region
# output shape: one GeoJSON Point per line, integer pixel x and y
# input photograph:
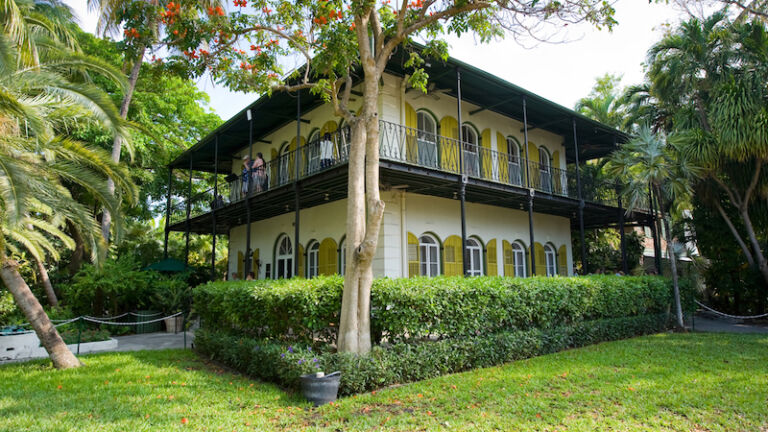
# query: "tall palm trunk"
{"type": "Point", "coordinates": [117, 144]}
{"type": "Point", "coordinates": [61, 356]}
{"type": "Point", "coordinates": [672, 259]}
{"type": "Point", "coordinates": [49, 292]}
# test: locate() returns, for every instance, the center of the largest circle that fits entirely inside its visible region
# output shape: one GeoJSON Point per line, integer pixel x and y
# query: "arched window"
{"type": "Point", "coordinates": [545, 171]}
{"type": "Point", "coordinates": [313, 152]}
{"type": "Point", "coordinates": [550, 258]}
{"type": "Point", "coordinates": [471, 160]}
{"type": "Point", "coordinates": [518, 258]}
{"type": "Point", "coordinates": [475, 254]}
{"type": "Point", "coordinates": [426, 139]}
{"type": "Point", "coordinates": [284, 164]}
{"type": "Point", "coordinates": [284, 258]}
{"type": "Point", "coordinates": [312, 259]}
{"type": "Point", "coordinates": [429, 256]}
{"type": "Point", "coordinates": [343, 257]}
{"type": "Point", "coordinates": [513, 152]}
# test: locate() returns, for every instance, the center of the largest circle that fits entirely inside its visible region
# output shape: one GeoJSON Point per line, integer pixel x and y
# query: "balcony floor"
{"type": "Point", "coordinates": [331, 185]}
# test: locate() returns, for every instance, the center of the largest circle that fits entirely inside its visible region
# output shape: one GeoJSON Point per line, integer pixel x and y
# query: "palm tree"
{"type": "Point", "coordinates": [37, 164]}
{"type": "Point", "coordinates": [649, 160]}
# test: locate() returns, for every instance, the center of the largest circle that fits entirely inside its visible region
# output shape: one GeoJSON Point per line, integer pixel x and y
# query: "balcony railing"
{"type": "Point", "coordinates": [409, 146]}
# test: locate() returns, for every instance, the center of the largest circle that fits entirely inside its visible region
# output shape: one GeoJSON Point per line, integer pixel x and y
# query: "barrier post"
{"type": "Point", "coordinates": [184, 328]}
{"type": "Point", "coordinates": [79, 333]}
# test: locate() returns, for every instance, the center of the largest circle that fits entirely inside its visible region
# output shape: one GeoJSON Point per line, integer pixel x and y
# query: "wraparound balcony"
{"type": "Point", "coordinates": [405, 147]}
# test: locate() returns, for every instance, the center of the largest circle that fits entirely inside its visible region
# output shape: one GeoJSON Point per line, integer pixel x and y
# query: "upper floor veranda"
{"type": "Point", "coordinates": [513, 144]}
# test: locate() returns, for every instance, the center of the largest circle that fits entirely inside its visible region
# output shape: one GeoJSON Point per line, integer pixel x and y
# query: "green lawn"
{"type": "Point", "coordinates": [698, 382]}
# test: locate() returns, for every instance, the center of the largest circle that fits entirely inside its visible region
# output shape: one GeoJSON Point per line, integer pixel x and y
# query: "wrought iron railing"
{"type": "Point", "coordinates": [410, 146]}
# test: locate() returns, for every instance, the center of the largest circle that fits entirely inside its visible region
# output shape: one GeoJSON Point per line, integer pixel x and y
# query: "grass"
{"type": "Point", "coordinates": [698, 382]}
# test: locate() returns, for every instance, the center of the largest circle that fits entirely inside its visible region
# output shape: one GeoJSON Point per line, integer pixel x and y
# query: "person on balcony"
{"type": "Point", "coordinates": [259, 173]}
{"type": "Point", "coordinates": [326, 151]}
{"type": "Point", "coordinates": [247, 173]}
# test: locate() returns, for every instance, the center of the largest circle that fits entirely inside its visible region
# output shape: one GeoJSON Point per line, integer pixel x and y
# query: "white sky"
{"type": "Point", "coordinates": [563, 72]}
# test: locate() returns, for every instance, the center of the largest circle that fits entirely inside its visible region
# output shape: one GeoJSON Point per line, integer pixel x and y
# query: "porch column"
{"type": "Point", "coordinates": [462, 180]}
{"type": "Point", "coordinates": [581, 200]}
{"type": "Point", "coordinates": [531, 192]}
{"type": "Point", "coordinates": [247, 258]}
{"type": "Point", "coordinates": [214, 204]}
{"type": "Point", "coordinates": [168, 212]}
{"type": "Point", "coordinates": [623, 243]}
{"type": "Point", "coordinates": [189, 211]}
{"type": "Point", "coordinates": [297, 164]}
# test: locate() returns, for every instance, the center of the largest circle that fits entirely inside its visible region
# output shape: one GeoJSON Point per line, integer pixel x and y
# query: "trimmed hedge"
{"type": "Point", "coordinates": [406, 362]}
{"type": "Point", "coordinates": [305, 310]}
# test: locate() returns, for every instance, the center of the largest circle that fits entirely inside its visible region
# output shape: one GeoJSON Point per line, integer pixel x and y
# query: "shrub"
{"type": "Point", "coordinates": [406, 361]}
{"type": "Point", "coordinates": [426, 308]}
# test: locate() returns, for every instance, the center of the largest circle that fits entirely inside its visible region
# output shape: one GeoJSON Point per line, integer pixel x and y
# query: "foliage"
{"type": "Point", "coordinates": [732, 286]}
{"type": "Point", "coordinates": [73, 335]}
{"type": "Point", "coordinates": [407, 362]}
{"type": "Point", "coordinates": [442, 307]}
{"type": "Point", "coordinates": [604, 103]}
{"type": "Point", "coordinates": [604, 250]}
{"type": "Point", "coordinates": [115, 287]}
{"type": "Point", "coordinates": [9, 313]}
{"type": "Point", "coordinates": [622, 385]}
{"type": "Point", "coordinates": [172, 294]}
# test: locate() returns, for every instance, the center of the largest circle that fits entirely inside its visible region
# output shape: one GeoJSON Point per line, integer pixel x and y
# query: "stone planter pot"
{"type": "Point", "coordinates": [174, 325]}
{"type": "Point", "coordinates": [320, 389]}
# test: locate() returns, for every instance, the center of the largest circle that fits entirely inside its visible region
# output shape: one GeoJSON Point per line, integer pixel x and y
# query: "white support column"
{"type": "Point", "coordinates": [500, 256]}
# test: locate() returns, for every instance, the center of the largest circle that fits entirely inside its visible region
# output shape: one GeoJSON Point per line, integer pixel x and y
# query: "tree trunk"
{"type": "Point", "coordinates": [49, 292]}
{"type": "Point", "coordinates": [117, 144]}
{"type": "Point", "coordinates": [760, 259]}
{"type": "Point", "coordinates": [78, 255]}
{"type": "Point", "coordinates": [61, 356]}
{"type": "Point", "coordinates": [672, 261]}
{"type": "Point", "coordinates": [364, 213]}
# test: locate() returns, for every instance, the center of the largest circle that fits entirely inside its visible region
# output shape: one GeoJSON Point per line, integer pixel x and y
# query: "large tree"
{"type": "Point", "coordinates": [345, 44]}
{"type": "Point", "coordinates": [143, 24]}
{"type": "Point", "coordinates": [712, 77]}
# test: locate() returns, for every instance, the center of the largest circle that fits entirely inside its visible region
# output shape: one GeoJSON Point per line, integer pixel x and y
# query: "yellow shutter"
{"type": "Point", "coordinates": [556, 159]}
{"type": "Point", "coordinates": [413, 255]}
{"type": "Point", "coordinates": [273, 167]}
{"type": "Point", "coordinates": [533, 152]}
{"type": "Point", "coordinates": [453, 263]}
{"type": "Point", "coordinates": [292, 161]}
{"type": "Point", "coordinates": [412, 122]}
{"type": "Point", "coordinates": [562, 261]}
{"type": "Point", "coordinates": [327, 257]}
{"type": "Point", "coordinates": [541, 259]}
{"type": "Point", "coordinates": [449, 149]}
{"type": "Point", "coordinates": [528, 262]}
{"type": "Point", "coordinates": [486, 156]}
{"type": "Point", "coordinates": [509, 263]}
{"type": "Point", "coordinates": [491, 267]}
{"type": "Point", "coordinates": [557, 179]}
{"type": "Point", "coordinates": [329, 127]}
{"type": "Point", "coordinates": [301, 262]}
{"type": "Point", "coordinates": [501, 151]}
{"type": "Point", "coordinates": [240, 262]}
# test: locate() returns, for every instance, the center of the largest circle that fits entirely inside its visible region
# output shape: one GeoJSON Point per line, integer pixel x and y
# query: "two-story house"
{"type": "Point", "coordinates": [475, 151]}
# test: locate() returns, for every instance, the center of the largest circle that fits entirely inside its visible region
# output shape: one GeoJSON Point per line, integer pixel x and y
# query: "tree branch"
{"type": "Point", "coordinates": [735, 232]}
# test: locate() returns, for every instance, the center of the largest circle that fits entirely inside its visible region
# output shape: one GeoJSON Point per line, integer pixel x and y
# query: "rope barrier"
{"type": "Point", "coordinates": [98, 321]}
{"type": "Point", "coordinates": [730, 316]}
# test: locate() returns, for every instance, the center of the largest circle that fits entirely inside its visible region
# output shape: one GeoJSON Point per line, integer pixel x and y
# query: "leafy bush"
{"type": "Point", "coordinates": [426, 308]}
{"type": "Point", "coordinates": [9, 314]}
{"type": "Point", "coordinates": [411, 361]}
{"type": "Point", "coordinates": [88, 335]}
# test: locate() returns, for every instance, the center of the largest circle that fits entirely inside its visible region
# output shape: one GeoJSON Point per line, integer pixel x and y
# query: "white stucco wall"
{"type": "Point", "coordinates": [404, 212]}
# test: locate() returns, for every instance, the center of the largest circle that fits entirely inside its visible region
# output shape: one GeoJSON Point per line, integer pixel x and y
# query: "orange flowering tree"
{"type": "Point", "coordinates": [345, 43]}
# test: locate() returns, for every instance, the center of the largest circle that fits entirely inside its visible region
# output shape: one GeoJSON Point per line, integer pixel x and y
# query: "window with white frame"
{"type": "Point", "coordinates": [550, 258]}
{"type": "Point", "coordinates": [426, 139]}
{"type": "Point", "coordinates": [475, 254]}
{"type": "Point", "coordinates": [284, 258]}
{"type": "Point", "coordinates": [518, 257]}
{"type": "Point", "coordinates": [312, 259]}
{"type": "Point", "coordinates": [513, 152]}
{"type": "Point", "coordinates": [429, 256]}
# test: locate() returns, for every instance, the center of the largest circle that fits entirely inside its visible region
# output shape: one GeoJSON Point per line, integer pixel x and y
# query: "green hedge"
{"type": "Point", "coordinates": [417, 308]}
{"type": "Point", "coordinates": [406, 362]}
